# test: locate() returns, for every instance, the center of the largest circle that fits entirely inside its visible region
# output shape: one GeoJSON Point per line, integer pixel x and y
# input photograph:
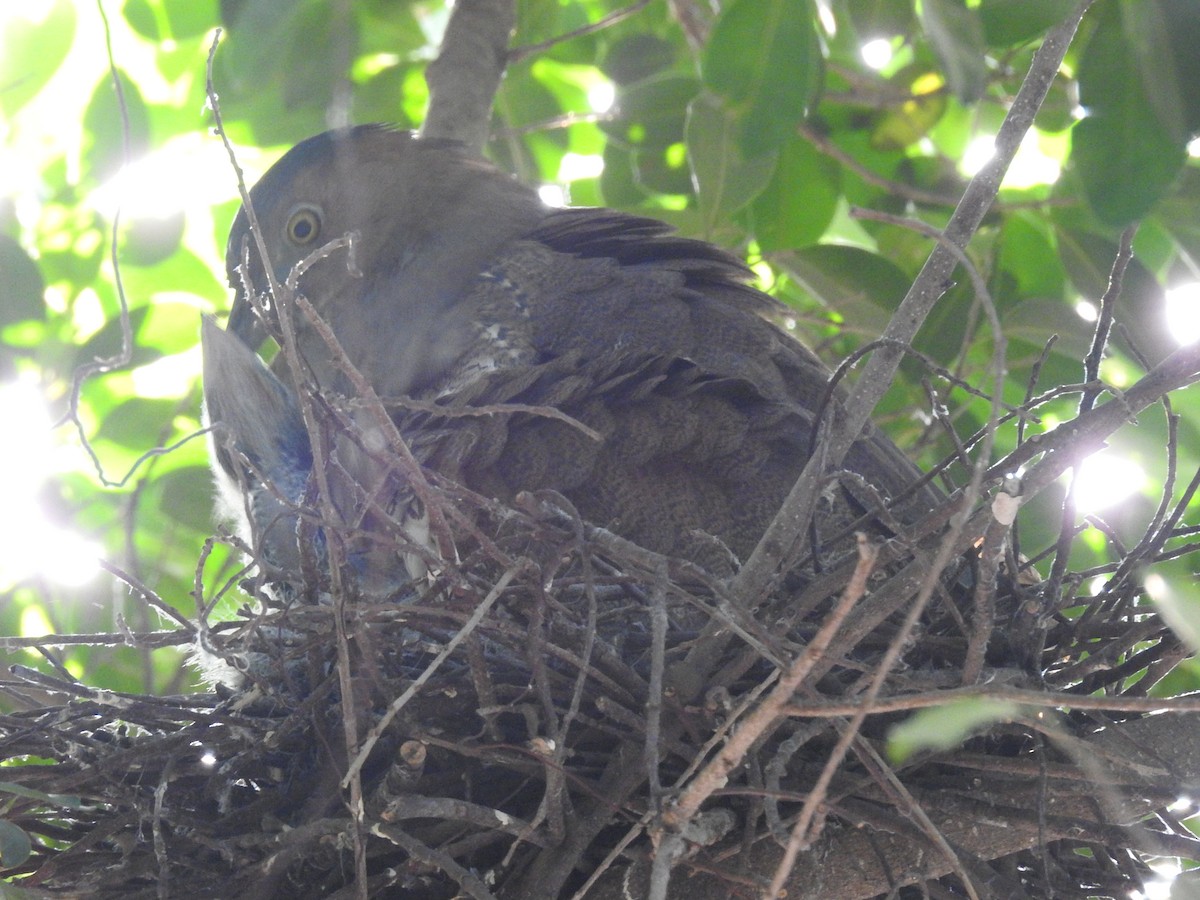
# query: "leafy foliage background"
{"type": "Point", "coordinates": [707, 130]}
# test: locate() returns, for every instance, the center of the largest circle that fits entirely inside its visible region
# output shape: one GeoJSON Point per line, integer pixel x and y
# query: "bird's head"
{"type": "Point", "coordinates": [424, 218]}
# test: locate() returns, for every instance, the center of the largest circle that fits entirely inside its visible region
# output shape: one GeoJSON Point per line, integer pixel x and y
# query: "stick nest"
{"type": "Point", "coordinates": [506, 710]}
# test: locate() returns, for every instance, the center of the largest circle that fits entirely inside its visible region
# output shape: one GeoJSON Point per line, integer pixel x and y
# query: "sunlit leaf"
{"type": "Point", "coordinates": [150, 240]}
{"type": "Point", "coordinates": [906, 123]}
{"type": "Point", "coordinates": [170, 20]}
{"type": "Point", "coordinates": [137, 423]}
{"type": "Point", "coordinates": [31, 50]}
{"type": "Point", "coordinates": [945, 727]}
{"type": "Point", "coordinates": [1172, 586]}
{"type": "Point", "coordinates": [1027, 252]}
{"type": "Point", "coordinates": [112, 143]}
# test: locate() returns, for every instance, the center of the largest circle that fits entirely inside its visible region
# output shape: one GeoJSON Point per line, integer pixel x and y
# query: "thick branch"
{"type": "Point", "coordinates": [464, 77]}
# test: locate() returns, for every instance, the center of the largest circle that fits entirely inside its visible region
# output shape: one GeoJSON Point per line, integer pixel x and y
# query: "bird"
{"type": "Point", "coordinates": [685, 410]}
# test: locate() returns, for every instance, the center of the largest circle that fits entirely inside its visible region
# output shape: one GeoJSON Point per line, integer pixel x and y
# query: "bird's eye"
{"type": "Point", "coordinates": [303, 225]}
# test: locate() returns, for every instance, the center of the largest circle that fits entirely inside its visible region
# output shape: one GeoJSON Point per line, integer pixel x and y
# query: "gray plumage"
{"type": "Point", "coordinates": [465, 290]}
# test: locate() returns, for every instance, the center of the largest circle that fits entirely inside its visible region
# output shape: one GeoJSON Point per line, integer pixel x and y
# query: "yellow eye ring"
{"type": "Point", "coordinates": [303, 225]}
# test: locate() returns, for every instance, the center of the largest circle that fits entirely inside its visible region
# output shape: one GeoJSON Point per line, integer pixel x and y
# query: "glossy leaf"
{"type": "Point", "coordinates": [764, 59]}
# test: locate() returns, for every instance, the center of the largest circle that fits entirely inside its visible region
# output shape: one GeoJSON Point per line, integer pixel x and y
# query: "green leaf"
{"type": "Point", "coordinates": [106, 343]}
{"type": "Point", "coordinates": [1009, 22]}
{"type": "Point", "coordinates": [389, 28]}
{"type": "Point", "coordinates": [1164, 35]}
{"type": "Point", "coordinates": [170, 327]}
{"type": "Point", "coordinates": [183, 272]}
{"type": "Point", "coordinates": [1124, 155]}
{"type": "Point", "coordinates": [150, 240]}
{"type": "Point", "coordinates": [880, 18]}
{"type": "Point", "coordinates": [170, 20]}
{"type": "Point", "coordinates": [764, 58]}
{"type": "Point", "coordinates": [281, 64]}
{"type": "Point", "coordinates": [1126, 163]}
{"type": "Point", "coordinates": [725, 179]}
{"type": "Point", "coordinates": [1034, 321]}
{"type": "Point", "coordinates": [15, 845]}
{"type": "Point", "coordinates": [110, 144]}
{"type": "Point", "coordinates": [946, 727]}
{"type": "Point", "coordinates": [956, 35]}
{"type": "Point", "coordinates": [652, 112]}
{"type": "Point", "coordinates": [902, 125]}
{"type": "Point", "coordinates": [137, 423]}
{"type": "Point", "coordinates": [862, 286]}
{"type": "Point", "coordinates": [21, 284]}
{"type": "Point", "coordinates": [637, 57]}
{"type": "Point", "coordinates": [1178, 212]}
{"type": "Point", "coordinates": [618, 186]}
{"type": "Point", "coordinates": [18, 790]}
{"type": "Point", "coordinates": [1172, 587]}
{"type": "Point", "coordinates": [780, 223]}
{"type": "Point", "coordinates": [186, 496]}
{"type": "Point", "coordinates": [662, 170]}
{"type": "Point", "coordinates": [1027, 253]}
{"type": "Point", "coordinates": [34, 43]}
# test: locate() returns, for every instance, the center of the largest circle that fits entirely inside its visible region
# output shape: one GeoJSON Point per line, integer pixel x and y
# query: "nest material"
{"type": "Point", "coordinates": [510, 709]}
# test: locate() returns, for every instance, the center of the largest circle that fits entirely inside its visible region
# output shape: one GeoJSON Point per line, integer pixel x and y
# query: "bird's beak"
{"type": "Point", "coordinates": [245, 323]}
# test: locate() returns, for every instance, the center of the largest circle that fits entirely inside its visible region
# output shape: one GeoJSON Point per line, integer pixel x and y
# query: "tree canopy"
{"type": "Point", "coordinates": [826, 142]}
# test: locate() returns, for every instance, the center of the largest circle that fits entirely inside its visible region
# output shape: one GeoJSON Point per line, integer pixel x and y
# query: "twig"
{"type": "Point", "coordinates": [714, 775]}
{"type": "Point", "coordinates": [411, 691]}
{"type": "Point", "coordinates": [122, 358]}
{"type": "Point", "coordinates": [1040, 699]}
{"type": "Point", "coordinates": [754, 579]}
{"type": "Point", "coordinates": [516, 54]}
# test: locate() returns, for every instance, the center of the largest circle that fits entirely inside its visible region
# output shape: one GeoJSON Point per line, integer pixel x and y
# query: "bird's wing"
{"type": "Point", "coordinates": [678, 459]}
